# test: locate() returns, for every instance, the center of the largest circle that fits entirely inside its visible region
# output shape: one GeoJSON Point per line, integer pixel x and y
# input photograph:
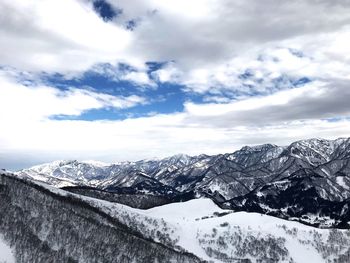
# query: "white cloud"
{"type": "Point", "coordinates": [139, 78]}
{"type": "Point", "coordinates": [58, 36]}
{"type": "Point", "coordinates": [168, 73]}
{"type": "Point", "coordinates": [20, 103]}
{"type": "Point", "coordinates": [148, 137]}
{"type": "Point", "coordinates": [211, 46]}
{"type": "Point", "coordinates": [209, 41]}
{"type": "Point", "coordinates": [271, 69]}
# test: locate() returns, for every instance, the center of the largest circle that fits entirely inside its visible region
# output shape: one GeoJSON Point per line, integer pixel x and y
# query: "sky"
{"type": "Point", "coordinates": [112, 80]}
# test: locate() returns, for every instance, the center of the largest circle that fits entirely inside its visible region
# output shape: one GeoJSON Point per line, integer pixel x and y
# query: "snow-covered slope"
{"type": "Point", "coordinates": [67, 172]}
{"type": "Point", "coordinates": [213, 234]}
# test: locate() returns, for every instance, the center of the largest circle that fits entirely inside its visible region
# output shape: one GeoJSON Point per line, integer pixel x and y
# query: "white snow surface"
{"type": "Point", "coordinates": [96, 163]}
{"type": "Point", "coordinates": [340, 181]}
{"type": "Point", "coordinates": [185, 214]}
{"type": "Point", "coordinates": [191, 222]}
{"type": "Point", "coordinates": [6, 254]}
{"type": "Point", "coordinates": [189, 210]}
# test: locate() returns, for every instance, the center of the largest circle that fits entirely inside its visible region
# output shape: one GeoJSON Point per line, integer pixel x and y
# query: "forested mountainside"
{"type": "Point", "coordinates": [307, 181]}
{"type": "Point", "coordinates": [47, 226]}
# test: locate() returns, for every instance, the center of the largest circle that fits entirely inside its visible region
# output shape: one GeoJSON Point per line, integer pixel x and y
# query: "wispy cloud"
{"type": "Point", "coordinates": [21, 103]}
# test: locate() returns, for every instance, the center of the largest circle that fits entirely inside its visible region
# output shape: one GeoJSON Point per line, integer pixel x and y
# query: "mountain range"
{"type": "Point", "coordinates": [307, 181]}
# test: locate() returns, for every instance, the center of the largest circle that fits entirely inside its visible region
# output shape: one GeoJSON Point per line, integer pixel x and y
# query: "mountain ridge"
{"type": "Point", "coordinates": [316, 166]}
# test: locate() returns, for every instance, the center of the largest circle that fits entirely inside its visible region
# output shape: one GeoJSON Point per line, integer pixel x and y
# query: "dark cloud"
{"type": "Point", "coordinates": [231, 27]}
{"type": "Point", "coordinates": [328, 101]}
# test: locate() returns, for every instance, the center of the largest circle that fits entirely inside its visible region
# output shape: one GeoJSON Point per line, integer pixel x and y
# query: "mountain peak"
{"type": "Point", "coordinates": [256, 148]}
{"type": "Point", "coordinates": [314, 150]}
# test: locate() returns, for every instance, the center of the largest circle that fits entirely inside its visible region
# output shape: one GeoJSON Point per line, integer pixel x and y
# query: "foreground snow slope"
{"type": "Point", "coordinates": [220, 235]}
{"type": "Point", "coordinates": [216, 235]}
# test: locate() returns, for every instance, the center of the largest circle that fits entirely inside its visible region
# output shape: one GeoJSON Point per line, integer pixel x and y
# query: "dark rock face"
{"type": "Point", "coordinates": [308, 180]}
{"type": "Point", "coordinates": [297, 197]}
{"type": "Point", "coordinates": [44, 227]}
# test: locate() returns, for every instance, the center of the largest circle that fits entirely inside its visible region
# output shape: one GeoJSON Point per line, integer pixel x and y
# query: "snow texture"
{"type": "Point", "coordinates": [6, 254]}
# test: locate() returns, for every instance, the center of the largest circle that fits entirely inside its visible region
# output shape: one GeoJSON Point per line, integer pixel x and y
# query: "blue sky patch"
{"type": "Point", "coordinates": [105, 10]}
{"type": "Point", "coordinates": [168, 98]}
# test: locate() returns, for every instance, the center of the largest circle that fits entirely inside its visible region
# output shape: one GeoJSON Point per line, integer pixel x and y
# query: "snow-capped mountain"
{"type": "Point", "coordinates": [315, 151]}
{"type": "Point", "coordinates": [41, 223]}
{"type": "Point", "coordinates": [308, 174]}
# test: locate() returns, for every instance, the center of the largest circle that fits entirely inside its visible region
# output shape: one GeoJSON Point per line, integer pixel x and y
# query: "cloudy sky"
{"type": "Point", "coordinates": [122, 80]}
